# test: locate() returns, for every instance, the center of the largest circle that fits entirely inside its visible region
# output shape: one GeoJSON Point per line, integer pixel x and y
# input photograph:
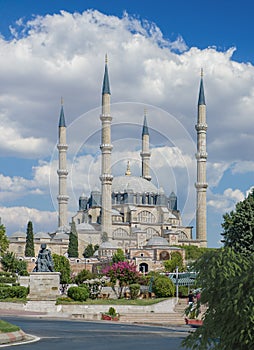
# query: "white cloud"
{"type": "Point", "coordinates": [16, 218]}
{"type": "Point", "coordinates": [226, 202]}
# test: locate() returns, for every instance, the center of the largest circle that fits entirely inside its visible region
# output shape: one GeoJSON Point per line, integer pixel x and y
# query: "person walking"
{"type": "Point", "coordinates": [190, 298]}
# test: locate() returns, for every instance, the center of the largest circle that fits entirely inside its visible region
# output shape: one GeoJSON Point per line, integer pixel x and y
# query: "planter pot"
{"type": "Point", "coordinates": [193, 322]}
{"type": "Point", "coordinates": [109, 318]}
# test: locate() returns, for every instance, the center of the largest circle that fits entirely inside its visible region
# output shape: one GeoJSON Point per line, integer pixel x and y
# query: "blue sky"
{"type": "Point", "coordinates": [156, 50]}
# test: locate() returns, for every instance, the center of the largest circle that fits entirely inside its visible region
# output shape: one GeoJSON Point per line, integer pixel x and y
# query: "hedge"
{"type": "Point", "coordinates": [19, 292]}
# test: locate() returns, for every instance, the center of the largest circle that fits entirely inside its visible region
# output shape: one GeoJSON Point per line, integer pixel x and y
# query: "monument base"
{"type": "Point", "coordinates": [44, 285]}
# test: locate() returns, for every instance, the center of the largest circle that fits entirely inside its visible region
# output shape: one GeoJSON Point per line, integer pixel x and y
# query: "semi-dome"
{"type": "Point", "coordinates": [157, 241]}
{"type": "Point", "coordinates": [132, 183]}
{"type": "Point", "coordinates": [18, 234]}
{"type": "Point", "coordinates": [41, 235]}
{"type": "Point", "coordinates": [85, 226]}
{"type": "Point", "coordinates": [61, 236]}
{"type": "Point", "coordinates": [108, 245]}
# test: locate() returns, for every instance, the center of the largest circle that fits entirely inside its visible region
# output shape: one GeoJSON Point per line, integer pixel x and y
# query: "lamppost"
{"type": "Point", "coordinates": [177, 294]}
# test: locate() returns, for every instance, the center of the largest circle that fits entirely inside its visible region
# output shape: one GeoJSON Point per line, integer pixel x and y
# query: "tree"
{"type": "Point", "coordinates": [238, 226]}
{"type": "Point", "coordinates": [11, 264]}
{"type": "Point", "coordinates": [29, 248]}
{"type": "Point", "coordinates": [73, 242]}
{"type": "Point", "coordinates": [225, 276]}
{"type": "Point", "coordinates": [122, 273]}
{"type": "Point", "coordinates": [118, 256]}
{"type": "Point", "coordinates": [4, 243]}
{"type": "Point", "coordinates": [62, 265]}
{"type": "Point", "coordinates": [82, 276]}
{"type": "Point", "coordinates": [176, 260]}
{"type": "Point", "coordinates": [193, 252]}
{"type": "Point", "coordinates": [89, 251]}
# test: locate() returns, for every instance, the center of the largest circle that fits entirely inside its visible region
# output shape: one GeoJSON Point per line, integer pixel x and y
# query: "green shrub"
{"type": "Point", "coordinates": [78, 294]}
{"type": "Point", "coordinates": [163, 287]}
{"type": "Point", "coordinates": [19, 292]}
{"type": "Point", "coordinates": [134, 290]}
{"type": "Point", "coordinates": [183, 291]}
{"type": "Point", "coordinates": [7, 279]}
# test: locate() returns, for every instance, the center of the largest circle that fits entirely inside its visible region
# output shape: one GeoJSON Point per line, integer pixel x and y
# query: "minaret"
{"type": "Point", "coordinates": [62, 172]}
{"type": "Point", "coordinates": [106, 148]}
{"type": "Point", "coordinates": [201, 156]}
{"type": "Point", "coordinates": [145, 154]}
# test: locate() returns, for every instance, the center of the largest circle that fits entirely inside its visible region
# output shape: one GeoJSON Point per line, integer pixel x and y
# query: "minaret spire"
{"type": "Point", "coordinates": [62, 172]}
{"type": "Point", "coordinates": [201, 156]}
{"type": "Point", "coordinates": [145, 153]}
{"type": "Point", "coordinates": [106, 148]}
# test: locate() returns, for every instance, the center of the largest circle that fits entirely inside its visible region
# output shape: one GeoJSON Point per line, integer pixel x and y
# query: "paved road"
{"type": "Point", "coordinates": [77, 335]}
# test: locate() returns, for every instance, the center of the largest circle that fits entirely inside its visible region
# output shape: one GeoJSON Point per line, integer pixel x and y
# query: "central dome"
{"type": "Point", "coordinates": [134, 183]}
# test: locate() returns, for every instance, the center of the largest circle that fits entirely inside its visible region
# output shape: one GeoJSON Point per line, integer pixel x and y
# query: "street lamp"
{"type": "Point", "coordinates": [177, 284]}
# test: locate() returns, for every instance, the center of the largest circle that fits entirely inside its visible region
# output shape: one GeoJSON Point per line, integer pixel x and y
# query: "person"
{"type": "Point", "coordinates": [190, 298]}
{"type": "Point", "coordinates": [44, 261]}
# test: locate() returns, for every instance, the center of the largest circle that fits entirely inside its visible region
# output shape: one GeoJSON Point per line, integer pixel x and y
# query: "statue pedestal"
{"type": "Point", "coordinates": [44, 285]}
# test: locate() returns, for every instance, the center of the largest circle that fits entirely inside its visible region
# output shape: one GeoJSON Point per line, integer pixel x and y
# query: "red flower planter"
{"type": "Point", "coordinates": [109, 318]}
{"type": "Point", "coordinates": [193, 322]}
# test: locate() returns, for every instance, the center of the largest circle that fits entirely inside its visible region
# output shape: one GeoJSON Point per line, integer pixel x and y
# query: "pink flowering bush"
{"type": "Point", "coordinates": [122, 274]}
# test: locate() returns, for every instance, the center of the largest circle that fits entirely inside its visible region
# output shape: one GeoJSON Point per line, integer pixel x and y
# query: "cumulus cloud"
{"type": "Point", "coordinates": [226, 201]}
{"type": "Point", "coordinates": [16, 218]}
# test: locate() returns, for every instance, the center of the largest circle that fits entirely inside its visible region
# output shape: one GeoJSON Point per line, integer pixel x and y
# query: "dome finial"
{"type": "Point", "coordinates": [201, 72]}
{"type": "Point", "coordinates": [106, 58]}
{"type": "Point", "coordinates": [62, 101]}
{"type": "Point", "coordinates": [128, 170]}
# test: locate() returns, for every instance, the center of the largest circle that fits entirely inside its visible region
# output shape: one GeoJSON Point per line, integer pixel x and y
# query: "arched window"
{"type": "Point", "coordinates": [146, 217]}
{"type": "Point", "coordinates": [120, 233]}
{"type": "Point", "coordinates": [182, 235]}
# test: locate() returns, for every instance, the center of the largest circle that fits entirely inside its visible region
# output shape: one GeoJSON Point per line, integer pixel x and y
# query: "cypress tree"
{"type": "Point", "coordinates": [73, 242]}
{"type": "Point", "coordinates": [29, 249]}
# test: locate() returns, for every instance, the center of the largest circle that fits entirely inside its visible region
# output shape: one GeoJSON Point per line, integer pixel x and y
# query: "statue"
{"type": "Point", "coordinates": [44, 261]}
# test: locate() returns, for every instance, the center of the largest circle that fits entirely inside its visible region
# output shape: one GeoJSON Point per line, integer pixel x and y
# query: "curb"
{"type": "Point", "coordinates": [12, 337]}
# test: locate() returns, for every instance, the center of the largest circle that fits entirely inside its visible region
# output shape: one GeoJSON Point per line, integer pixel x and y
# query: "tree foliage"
{"type": "Point", "coordinates": [62, 265]}
{"type": "Point", "coordinates": [73, 242]}
{"type": "Point", "coordinates": [4, 243]}
{"type": "Point", "coordinates": [227, 289]}
{"type": "Point", "coordinates": [193, 252]}
{"type": "Point", "coordinates": [89, 250]}
{"type": "Point", "coordinates": [118, 256]}
{"type": "Point", "coordinates": [176, 260]}
{"type": "Point", "coordinates": [122, 273]}
{"type": "Point", "coordinates": [82, 276]}
{"type": "Point", "coordinates": [238, 226]}
{"type": "Point", "coordinates": [11, 264]}
{"type": "Point", "coordinates": [29, 248]}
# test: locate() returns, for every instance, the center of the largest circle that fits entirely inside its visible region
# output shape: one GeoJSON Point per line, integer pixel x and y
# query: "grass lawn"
{"type": "Point", "coordinates": [6, 327]}
{"type": "Point", "coordinates": [137, 302]}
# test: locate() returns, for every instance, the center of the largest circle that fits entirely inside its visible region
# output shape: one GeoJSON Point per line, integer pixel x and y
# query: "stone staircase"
{"type": "Point", "coordinates": [153, 318]}
{"type": "Point", "coordinates": [175, 318]}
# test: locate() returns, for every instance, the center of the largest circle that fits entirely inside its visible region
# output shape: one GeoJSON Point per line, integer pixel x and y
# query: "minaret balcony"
{"type": "Point", "coordinates": [62, 147]}
{"type": "Point", "coordinates": [62, 172]}
{"type": "Point", "coordinates": [106, 178]}
{"type": "Point", "coordinates": [62, 198]}
{"type": "Point", "coordinates": [201, 185]}
{"type": "Point", "coordinates": [106, 147]}
{"type": "Point", "coordinates": [145, 154]}
{"type": "Point", "coordinates": [105, 117]}
{"type": "Point", "coordinates": [201, 155]}
{"type": "Point", "coordinates": [201, 127]}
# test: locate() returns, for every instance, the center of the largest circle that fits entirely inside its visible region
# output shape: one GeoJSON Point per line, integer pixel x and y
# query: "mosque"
{"type": "Point", "coordinates": [129, 212]}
